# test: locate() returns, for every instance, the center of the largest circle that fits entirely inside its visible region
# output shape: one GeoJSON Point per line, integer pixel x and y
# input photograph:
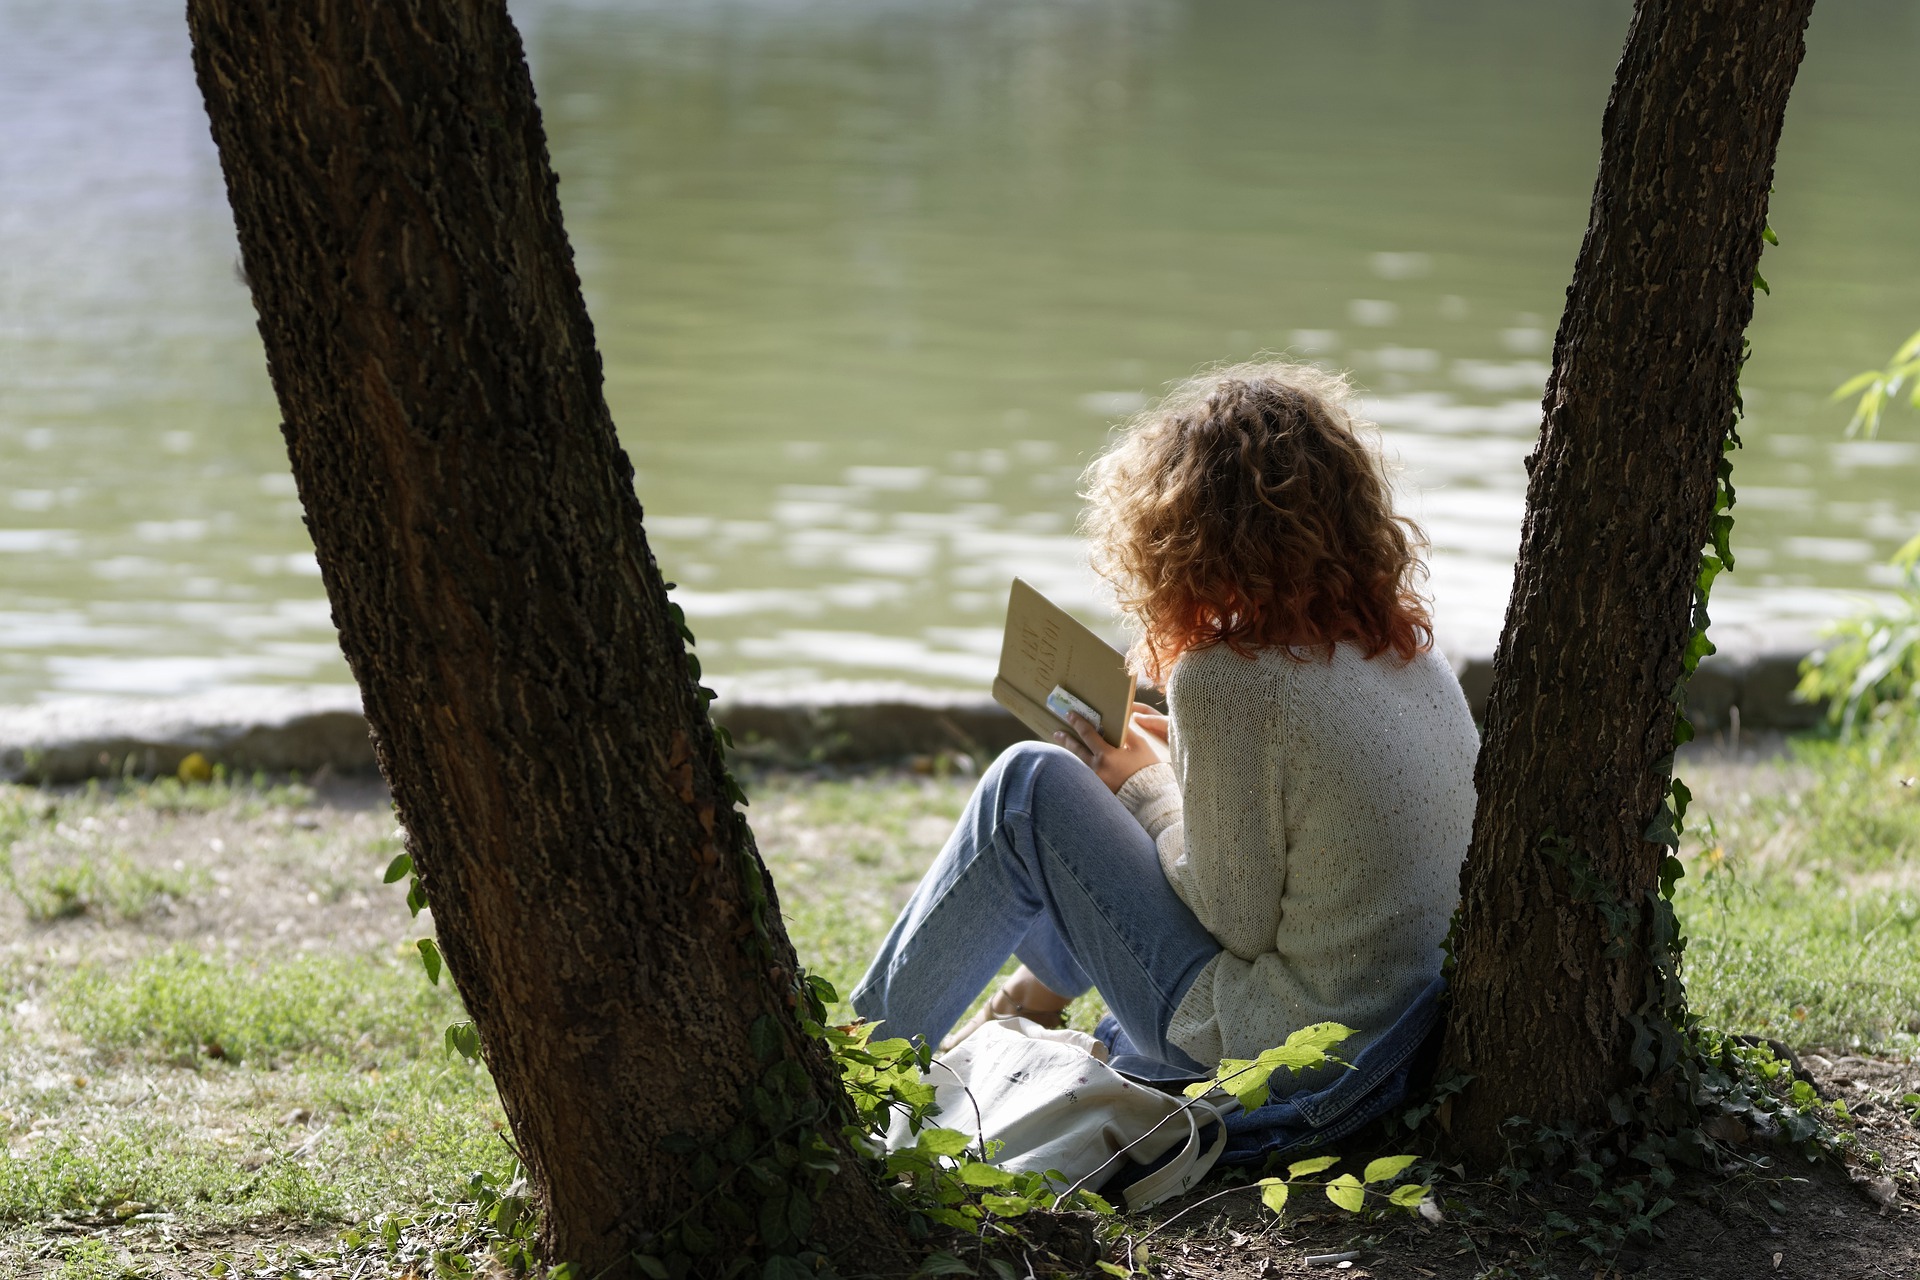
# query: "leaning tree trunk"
{"type": "Point", "coordinates": [597, 896]}
{"type": "Point", "coordinates": [1559, 999]}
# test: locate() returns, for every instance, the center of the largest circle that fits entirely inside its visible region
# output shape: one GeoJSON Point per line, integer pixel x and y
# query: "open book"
{"type": "Point", "coordinates": [1050, 663]}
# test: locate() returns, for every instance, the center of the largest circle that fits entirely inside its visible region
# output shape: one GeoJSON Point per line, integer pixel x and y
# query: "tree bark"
{"type": "Point", "coordinates": [1556, 988]}
{"type": "Point", "coordinates": [598, 898]}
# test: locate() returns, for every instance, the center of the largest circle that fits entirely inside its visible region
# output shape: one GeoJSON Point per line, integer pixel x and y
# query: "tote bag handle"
{"type": "Point", "coordinates": [1188, 1167]}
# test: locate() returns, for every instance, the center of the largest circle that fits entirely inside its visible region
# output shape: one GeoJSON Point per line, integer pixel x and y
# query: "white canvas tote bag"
{"type": "Point", "coordinates": [1055, 1108]}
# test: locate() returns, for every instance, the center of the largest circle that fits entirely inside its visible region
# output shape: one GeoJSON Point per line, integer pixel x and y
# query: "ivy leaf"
{"type": "Point", "coordinates": [943, 1142]}
{"type": "Point", "coordinates": [1113, 1269]}
{"type": "Point", "coordinates": [782, 1267]}
{"type": "Point", "coordinates": [1386, 1168]}
{"type": "Point", "coordinates": [799, 1215]}
{"type": "Point", "coordinates": [1410, 1196]}
{"type": "Point", "coordinates": [1346, 1192]}
{"type": "Point", "coordinates": [944, 1264]}
{"type": "Point", "coordinates": [1005, 1206]}
{"type": "Point", "coordinates": [463, 1038]}
{"type": "Point", "coordinates": [1088, 1200]}
{"type": "Point", "coordinates": [1660, 830]}
{"type": "Point", "coordinates": [1247, 1078]}
{"type": "Point", "coordinates": [773, 1223]}
{"type": "Point", "coordinates": [1301, 1168]}
{"type": "Point", "coordinates": [1273, 1194]}
{"type": "Point", "coordinates": [964, 1219]}
{"type": "Point", "coordinates": [654, 1268]}
{"type": "Point", "coordinates": [696, 1239]}
{"type": "Point", "coordinates": [1671, 871]}
{"type": "Point", "coordinates": [977, 1174]}
{"type": "Point", "coordinates": [416, 896]}
{"type": "Point", "coordinates": [400, 866]}
{"type": "Point", "coordinates": [764, 1037]}
{"type": "Point", "coordinates": [430, 959]}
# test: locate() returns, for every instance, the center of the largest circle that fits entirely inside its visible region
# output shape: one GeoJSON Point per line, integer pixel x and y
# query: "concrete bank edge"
{"type": "Point", "coordinates": [308, 731]}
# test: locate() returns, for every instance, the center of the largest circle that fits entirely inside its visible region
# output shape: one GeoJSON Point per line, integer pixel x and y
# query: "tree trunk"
{"type": "Point", "coordinates": [1561, 997]}
{"type": "Point", "coordinates": [598, 899]}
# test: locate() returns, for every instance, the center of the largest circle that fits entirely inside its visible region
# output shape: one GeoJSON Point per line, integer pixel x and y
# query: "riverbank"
{"type": "Point", "coordinates": [321, 730]}
{"type": "Point", "coordinates": [219, 1046]}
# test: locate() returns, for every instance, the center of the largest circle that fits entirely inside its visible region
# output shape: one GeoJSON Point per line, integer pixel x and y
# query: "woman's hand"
{"type": "Point", "coordinates": [1145, 743]}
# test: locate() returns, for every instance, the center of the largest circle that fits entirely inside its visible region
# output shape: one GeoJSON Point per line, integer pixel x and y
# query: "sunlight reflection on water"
{"type": "Point", "coordinates": [873, 280]}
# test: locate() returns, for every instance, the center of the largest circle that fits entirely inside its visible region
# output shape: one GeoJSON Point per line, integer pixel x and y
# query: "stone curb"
{"type": "Point", "coordinates": [278, 731]}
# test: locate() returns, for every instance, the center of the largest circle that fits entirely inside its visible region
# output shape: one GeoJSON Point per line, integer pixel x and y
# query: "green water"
{"type": "Point", "coordinates": [872, 280]}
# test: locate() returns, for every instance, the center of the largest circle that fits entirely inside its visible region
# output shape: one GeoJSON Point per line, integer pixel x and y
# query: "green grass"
{"type": "Point", "coordinates": [59, 887]}
{"type": "Point", "coordinates": [331, 1100]}
{"type": "Point", "coordinates": [372, 1141]}
{"type": "Point", "coordinates": [185, 1005]}
{"type": "Point", "coordinates": [1802, 901]}
{"type": "Point", "coordinates": [91, 1259]}
{"type": "Point", "coordinates": [845, 853]}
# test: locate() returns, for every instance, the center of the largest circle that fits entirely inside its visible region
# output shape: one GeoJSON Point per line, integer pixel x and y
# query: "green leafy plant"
{"type": "Point", "coordinates": [1347, 1191]}
{"type": "Point", "coordinates": [1878, 388]}
{"type": "Point", "coordinates": [1870, 664]}
{"type": "Point", "coordinates": [945, 1177]}
{"type": "Point", "coordinates": [1752, 1085]}
{"type": "Point", "coordinates": [1249, 1079]}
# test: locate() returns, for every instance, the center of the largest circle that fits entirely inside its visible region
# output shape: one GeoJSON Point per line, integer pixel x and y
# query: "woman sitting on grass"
{"type": "Point", "coordinates": [1284, 847]}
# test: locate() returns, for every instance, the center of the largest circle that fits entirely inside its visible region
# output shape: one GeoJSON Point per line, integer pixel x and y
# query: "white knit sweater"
{"type": "Point", "coordinates": [1314, 817]}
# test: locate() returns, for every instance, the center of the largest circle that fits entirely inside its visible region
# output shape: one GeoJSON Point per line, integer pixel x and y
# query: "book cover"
{"type": "Point", "coordinates": [1045, 647]}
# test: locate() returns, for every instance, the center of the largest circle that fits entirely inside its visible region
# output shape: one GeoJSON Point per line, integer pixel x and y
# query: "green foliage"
{"type": "Point", "coordinates": [1247, 1079]}
{"type": "Point", "coordinates": [492, 1225]}
{"type": "Point", "coordinates": [463, 1038]}
{"type": "Point", "coordinates": [1870, 664]}
{"type": "Point", "coordinates": [880, 1076]}
{"type": "Point", "coordinates": [430, 959]}
{"type": "Point", "coordinates": [1347, 1191]}
{"type": "Point", "coordinates": [1748, 1082]}
{"type": "Point", "coordinates": [1879, 388]}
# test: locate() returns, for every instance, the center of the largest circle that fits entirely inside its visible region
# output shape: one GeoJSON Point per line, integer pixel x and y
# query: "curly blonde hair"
{"type": "Point", "coordinates": [1250, 508]}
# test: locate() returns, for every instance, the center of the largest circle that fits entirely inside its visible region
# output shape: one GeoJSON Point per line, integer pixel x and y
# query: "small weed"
{"type": "Point", "coordinates": [90, 1259]}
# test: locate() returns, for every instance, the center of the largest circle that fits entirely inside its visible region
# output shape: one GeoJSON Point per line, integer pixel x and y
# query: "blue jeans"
{"type": "Point", "coordinates": [1047, 865]}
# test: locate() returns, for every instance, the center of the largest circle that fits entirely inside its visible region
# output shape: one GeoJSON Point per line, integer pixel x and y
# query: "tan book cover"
{"type": "Point", "coordinates": [1047, 648]}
